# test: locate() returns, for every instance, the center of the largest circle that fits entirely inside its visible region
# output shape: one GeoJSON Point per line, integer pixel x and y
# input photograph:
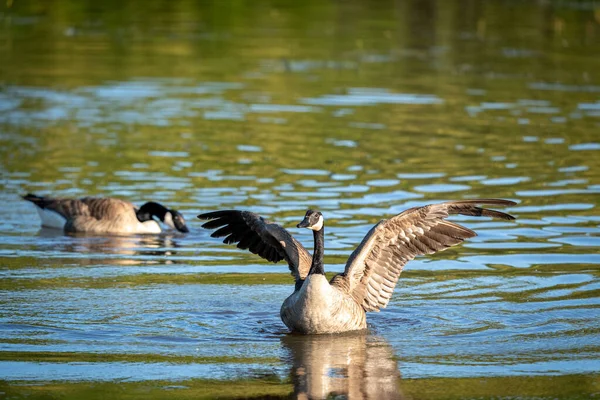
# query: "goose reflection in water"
{"type": "Point", "coordinates": [352, 365]}
{"type": "Point", "coordinates": [120, 250]}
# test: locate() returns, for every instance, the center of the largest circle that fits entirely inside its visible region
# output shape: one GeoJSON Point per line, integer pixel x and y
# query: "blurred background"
{"type": "Point", "coordinates": [361, 109]}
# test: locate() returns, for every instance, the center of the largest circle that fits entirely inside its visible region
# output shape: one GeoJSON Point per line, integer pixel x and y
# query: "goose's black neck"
{"type": "Point", "coordinates": [150, 209]}
{"type": "Point", "coordinates": [317, 260]}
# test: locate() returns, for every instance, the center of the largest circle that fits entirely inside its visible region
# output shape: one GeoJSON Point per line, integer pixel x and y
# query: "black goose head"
{"type": "Point", "coordinates": [171, 218]}
{"type": "Point", "coordinates": [313, 220]}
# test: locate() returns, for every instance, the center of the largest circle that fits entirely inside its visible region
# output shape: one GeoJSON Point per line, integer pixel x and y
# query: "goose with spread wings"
{"type": "Point", "coordinates": [319, 306]}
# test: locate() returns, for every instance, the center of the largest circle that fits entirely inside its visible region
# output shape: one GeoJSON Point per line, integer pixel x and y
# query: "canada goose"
{"type": "Point", "coordinates": [371, 273]}
{"type": "Point", "coordinates": [104, 215]}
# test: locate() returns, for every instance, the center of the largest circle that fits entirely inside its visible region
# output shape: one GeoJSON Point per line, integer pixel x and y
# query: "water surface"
{"type": "Point", "coordinates": [360, 110]}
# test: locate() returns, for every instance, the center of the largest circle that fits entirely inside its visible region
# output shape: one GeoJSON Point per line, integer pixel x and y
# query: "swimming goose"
{"type": "Point", "coordinates": [104, 215]}
{"type": "Point", "coordinates": [372, 271]}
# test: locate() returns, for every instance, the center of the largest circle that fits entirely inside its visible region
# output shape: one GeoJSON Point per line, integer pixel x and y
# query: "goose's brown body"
{"type": "Point", "coordinates": [95, 215]}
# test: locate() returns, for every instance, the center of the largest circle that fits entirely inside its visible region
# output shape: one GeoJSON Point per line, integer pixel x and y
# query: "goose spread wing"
{"type": "Point", "coordinates": [374, 267]}
{"type": "Point", "coordinates": [270, 241]}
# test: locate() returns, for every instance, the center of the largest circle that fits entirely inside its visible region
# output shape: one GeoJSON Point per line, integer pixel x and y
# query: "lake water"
{"type": "Point", "coordinates": [360, 109]}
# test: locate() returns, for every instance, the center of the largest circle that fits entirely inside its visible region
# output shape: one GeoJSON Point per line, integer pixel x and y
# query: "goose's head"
{"type": "Point", "coordinates": [312, 220]}
{"type": "Point", "coordinates": [173, 219]}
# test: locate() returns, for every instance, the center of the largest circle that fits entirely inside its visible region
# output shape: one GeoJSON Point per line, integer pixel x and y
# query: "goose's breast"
{"type": "Point", "coordinates": [122, 224]}
{"type": "Point", "coordinates": [320, 308]}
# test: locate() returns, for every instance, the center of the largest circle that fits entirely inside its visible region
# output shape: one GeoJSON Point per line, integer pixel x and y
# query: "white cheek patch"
{"type": "Point", "coordinates": [318, 226]}
{"type": "Point", "coordinates": [169, 220]}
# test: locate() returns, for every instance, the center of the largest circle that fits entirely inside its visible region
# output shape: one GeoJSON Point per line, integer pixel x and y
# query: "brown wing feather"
{"type": "Point", "coordinates": [86, 213]}
{"type": "Point", "coordinates": [373, 269]}
{"type": "Point", "coordinates": [68, 208]}
{"type": "Point", "coordinates": [270, 241]}
{"type": "Point", "coordinates": [109, 208]}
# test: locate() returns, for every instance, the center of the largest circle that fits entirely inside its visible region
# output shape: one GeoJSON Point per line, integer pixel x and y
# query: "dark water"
{"type": "Point", "coordinates": [359, 109]}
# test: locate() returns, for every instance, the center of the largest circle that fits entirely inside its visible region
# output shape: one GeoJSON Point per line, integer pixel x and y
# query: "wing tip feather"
{"type": "Point", "coordinates": [491, 202]}
{"type": "Point", "coordinates": [216, 214]}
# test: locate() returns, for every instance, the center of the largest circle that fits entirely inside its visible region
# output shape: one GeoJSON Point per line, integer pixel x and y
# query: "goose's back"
{"type": "Point", "coordinates": [108, 215]}
{"type": "Point", "coordinates": [110, 209]}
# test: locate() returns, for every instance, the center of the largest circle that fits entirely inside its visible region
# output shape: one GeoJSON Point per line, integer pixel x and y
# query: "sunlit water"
{"type": "Point", "coordinates": [358, 110]}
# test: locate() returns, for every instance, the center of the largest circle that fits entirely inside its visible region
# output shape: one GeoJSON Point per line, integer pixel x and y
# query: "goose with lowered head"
{"type": "Point", "coordinates": [372, 271]}
{"type": "Point", "coordinates": [104, 215]}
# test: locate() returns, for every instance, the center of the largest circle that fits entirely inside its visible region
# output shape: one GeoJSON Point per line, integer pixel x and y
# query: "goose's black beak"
{"type": "Point", "coordinates": [304, 224]}
{"type": "Point", "coordinates": [183, 228]}
{"type": "Point", "coordinates": [179, 222]}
